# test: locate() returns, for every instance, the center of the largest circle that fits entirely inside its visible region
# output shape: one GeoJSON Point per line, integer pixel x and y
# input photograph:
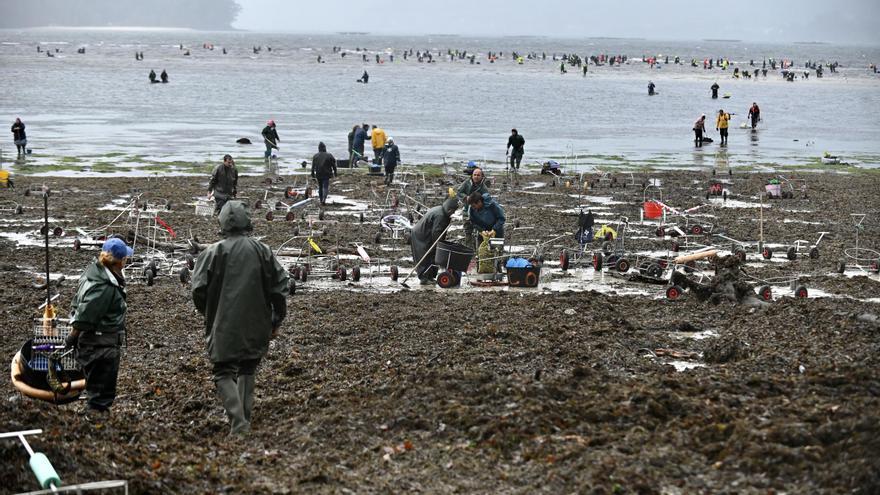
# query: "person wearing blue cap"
{"type": "Point", "coordinates": [98, 320]}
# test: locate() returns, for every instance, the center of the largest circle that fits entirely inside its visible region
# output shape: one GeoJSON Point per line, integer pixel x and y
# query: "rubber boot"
{"type": "Point", "coordinates": [228, 391]}
{"type": "Point", "coordinates": [246, 394]}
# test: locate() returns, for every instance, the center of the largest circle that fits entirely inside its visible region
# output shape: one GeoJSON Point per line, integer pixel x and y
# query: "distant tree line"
{"type": "Point", "coordinates": [195, 14]}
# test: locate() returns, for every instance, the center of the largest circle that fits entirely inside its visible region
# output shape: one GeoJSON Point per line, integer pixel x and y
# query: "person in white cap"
{"type": "Point", "coordinates": [391, 158]}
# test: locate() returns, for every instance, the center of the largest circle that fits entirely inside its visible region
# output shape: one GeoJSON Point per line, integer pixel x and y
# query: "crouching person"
{"type": "Point", "coordinates": [98, 320]}
{"type": "Point", "coordinates": [241, 289]}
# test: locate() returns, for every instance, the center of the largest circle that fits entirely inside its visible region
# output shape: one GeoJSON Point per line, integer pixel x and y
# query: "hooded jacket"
{"type": "Point", "coordinates": [240, 288]}
{"type": "Point", "coordinates": [466, 188]}
{"type": "Point", "coordinates": [270, 136]}
{"type": "Point", "coordinates": [18, 133]}
{"type": "Point", "coordinates": [99, 303]}
{"type": "Point", "coordinates": [391, 157]}
{"type": "Point", "coordinates": [490, 216]}
{"type": "Point", "coordinates": [378, 138]}
{"type": "Point", "coordinates": [429, 228]}
{"type": "Point", "coordinates": [323, 164]}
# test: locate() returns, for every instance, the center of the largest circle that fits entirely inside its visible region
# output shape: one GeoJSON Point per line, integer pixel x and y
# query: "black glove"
{"type": "Point", "coordinates": [72, 339]}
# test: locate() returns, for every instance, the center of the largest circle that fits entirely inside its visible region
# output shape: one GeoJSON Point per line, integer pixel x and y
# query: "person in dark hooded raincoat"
{"type": "Point", "coordinates": [241, 289]}
{"type": "Point", "coordinates": [425, 232]}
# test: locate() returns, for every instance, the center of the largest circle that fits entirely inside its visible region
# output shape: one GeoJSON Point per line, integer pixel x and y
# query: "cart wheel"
{"type": "Point", "coordinates": [361, 217]}
{"type": "Point", "coordinates": [321, 215]}
{"type": "Point", "coordinates": [767, 253]}
{"type": "Point", "coordinates": [27, 192]}
{"type": "Point", "coordinates": [269, 216]}
{"type": "Point", "coordinates": [190, 261]}
{"type": "Point", "coordinates": [791, 254]}
{"type": "Point", "coordinates": [168, 205]}
{"type": "Point", "coordinates": [291, 286]}
{"type": "Point", "coordinates": [288, 193]}
{"type": "Point", "coordinates": [674, 292]}
{"type": "Point", "coordinates": [77, 244]}
{"type": "Point", "coordinates": [258, 204]}
{"type": "Point", "coordinates": [697, 229]}
{"type": "Point", "coordinates": [333, 265]}
{"type": "Point", "coordinates": [675, 247]}
{"type": "Point", "coordinates": [765, 293]}
{"type": "Point", "coordinates": [356, 274]}
{"type": "Point", "coordinates": [814, 253]}
{"type": "Point", "coordinates": [801, 292]}
{"type": "Point", "coordinates": [841, 267]}
{"type": "Point", "coordinates": [409, 216]}
{"type": "Point", "coordinates": [598, 262]}
{"type": "Point", "coordinates": [622, 265]}
{"type": "Point", "coordinates": [151, 277]}
{"type": "Point", "coordinates": [563, 260]}
{"type": "Point", "coordinates": [153, 267]}
{"type": "Point", "coordinates": [654, 270]}
{"type": "Point", "coordinates": [607, 247]}
{"type": "Point", "coordinates": [660, 232]}
{"type": "Point", "coordinates": [340, 274]}
{"type": "Point", "coordinates": [378, 237]}
{"type": "Point", "coordinates": [740, 253]}
{"type": "Point", "coordinates": [293, 271]}
{"type": "Point", "coordinates": [290, 216]}
{"type": "Point", "coordinates": [446, 280]}
{"type": "Point", "coordinates": [303, 274]}
{"type": "Point", "coordinates": [18, 209]}
{"type": "Point", "coordinates": [690, 266]}
{"type": "Point", "coordinates": [395, 272]}
{"type": "Point", "coordinates": [184, 275]}
{"type": "Point", "coordinates": [268, 181]}
{"type": "Point", "coordinates": [57, 232]}
{"type": "Point", "coordinates": [309, 192]}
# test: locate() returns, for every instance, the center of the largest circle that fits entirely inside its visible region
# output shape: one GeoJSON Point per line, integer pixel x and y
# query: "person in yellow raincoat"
{"type": "Point", "coordinates": [721, 125]}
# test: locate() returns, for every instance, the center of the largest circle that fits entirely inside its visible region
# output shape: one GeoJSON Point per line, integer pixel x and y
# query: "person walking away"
{"type": "Point", "coordinates": [425, 234]}
{"type": "Point", "coordinates": [223, 184]}
{"type": "Point", "coordinates": [486, 214]}
{"type": "Point", "coordinates": [475, 183]}
{"type": "Point", "coordinates": [163, 76]}
{"type": "Point", "coordinates": [152, 76]}
{"type": "Point", "coordinates": [98, 319]}
{"type": "Point", "coordinates": [755, 115]}
{"type": "Point", "coordinates": [357, 145]}
{"type": "Point", "coordinates": [699, 130]}
{"type": "Point", "coordinates": [241, 289]}
{"type": "Point", "coordinates": [323, 168]}
{"type": "Point", "coordinates": [517, 142]}
{"type": "Point", "coordinates": [391, 157]}
{"type": "Point", "coordinates": [270, 137]}
{"type": "Point", "coordinates": [651, 88]}
{"type": "Point", "coordinates": [19, 137]}
{"type": "Point", "coordinates": [378, 140]}
{"type": "Point", "coordinates": [721, 124]}
{"type": "Point", "coordinates": [714, 88]}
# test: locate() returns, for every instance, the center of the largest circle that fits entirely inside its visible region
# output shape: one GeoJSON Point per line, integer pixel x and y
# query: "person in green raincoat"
{"type": "Point", "coordinates": [241, 289]}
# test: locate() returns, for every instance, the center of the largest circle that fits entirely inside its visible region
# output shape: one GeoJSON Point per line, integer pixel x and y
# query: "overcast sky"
{"type": "Point", "coordinates": [841, 21]}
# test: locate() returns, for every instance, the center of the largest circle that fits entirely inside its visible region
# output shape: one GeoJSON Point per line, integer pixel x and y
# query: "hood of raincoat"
{"type": "Point", "coordinates": [234, 218]}
{"type": "Point", "coordinates": [450, 205]}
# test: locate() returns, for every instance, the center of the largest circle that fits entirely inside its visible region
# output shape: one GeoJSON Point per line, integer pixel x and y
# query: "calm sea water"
{"type": "Point", "coordinates": [101, 103]}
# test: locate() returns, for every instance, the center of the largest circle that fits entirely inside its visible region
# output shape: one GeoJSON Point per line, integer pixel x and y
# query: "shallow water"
{"type": "Point", "coordinates": [101, 103]}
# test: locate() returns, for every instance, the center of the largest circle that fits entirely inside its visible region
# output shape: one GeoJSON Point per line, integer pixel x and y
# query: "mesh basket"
{"type": "Point", "coordinates": [204, 208]}
{"type": "Point", "coordinates": [49, 336]}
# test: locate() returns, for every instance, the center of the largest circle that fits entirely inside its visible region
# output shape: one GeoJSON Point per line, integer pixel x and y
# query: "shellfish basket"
{"type": "Point", "coordinates": [204, 208]}
{"type": "Point", "coordinates": [48, 337]}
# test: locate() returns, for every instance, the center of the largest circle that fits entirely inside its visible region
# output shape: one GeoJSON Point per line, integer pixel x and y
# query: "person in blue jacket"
{"type": "Point", "coordinates": [486, 214]}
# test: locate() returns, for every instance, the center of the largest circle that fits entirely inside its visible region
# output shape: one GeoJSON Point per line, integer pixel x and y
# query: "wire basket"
{"type": "Point", "coordinates": [204, 208]}
{"type": "Point", "coordinates": [49, 336]}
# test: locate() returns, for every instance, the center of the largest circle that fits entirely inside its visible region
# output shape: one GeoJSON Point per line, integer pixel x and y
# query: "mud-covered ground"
{"type": "Point", "coordinates": [570, 387]}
